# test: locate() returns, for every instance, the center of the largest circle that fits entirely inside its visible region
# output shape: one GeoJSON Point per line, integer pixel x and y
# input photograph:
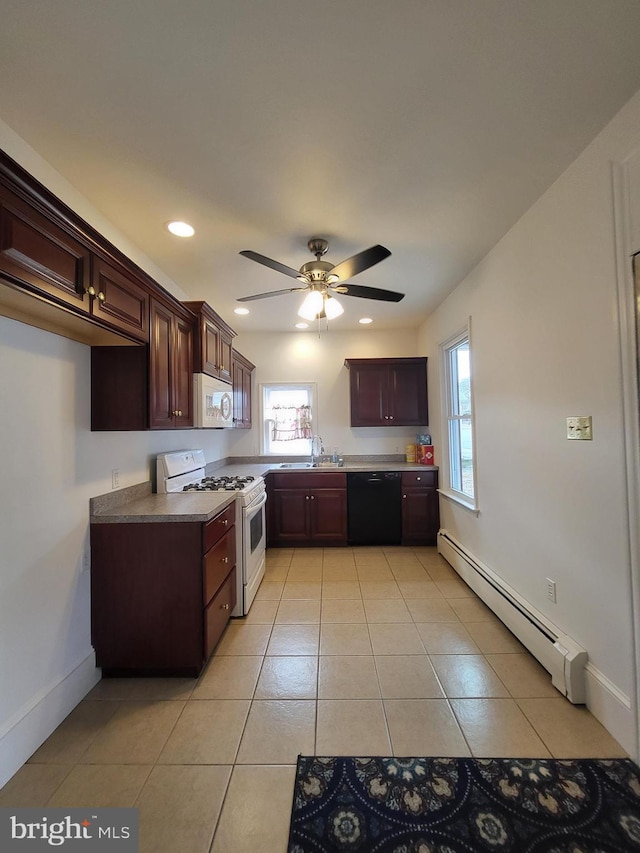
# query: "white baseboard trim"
{"type": "Point", "coordinates": [612, 708]}
{"type": "Point", "coordinates": [34, 722]}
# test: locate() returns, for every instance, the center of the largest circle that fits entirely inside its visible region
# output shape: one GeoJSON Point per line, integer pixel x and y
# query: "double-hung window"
{"type": "Point", "coordinates": [287, 418]}
{"type": "Point", "coordinates": [459, 414]}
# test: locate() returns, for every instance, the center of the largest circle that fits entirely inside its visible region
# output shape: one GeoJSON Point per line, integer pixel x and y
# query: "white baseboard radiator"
{"type": "Point", "coordinates": [561, 656]}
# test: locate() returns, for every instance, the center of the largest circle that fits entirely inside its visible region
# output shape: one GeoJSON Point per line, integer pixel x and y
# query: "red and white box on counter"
{"type": "Point", "coordinates": [425, 454]}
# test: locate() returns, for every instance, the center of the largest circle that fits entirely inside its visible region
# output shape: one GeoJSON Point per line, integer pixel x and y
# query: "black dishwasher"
{"type": "Point", "coordinates": [374, 505]}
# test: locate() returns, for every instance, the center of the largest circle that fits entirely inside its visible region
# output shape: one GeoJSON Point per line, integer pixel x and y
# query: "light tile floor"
{"type": "Point", "coordinates": [370, 651]}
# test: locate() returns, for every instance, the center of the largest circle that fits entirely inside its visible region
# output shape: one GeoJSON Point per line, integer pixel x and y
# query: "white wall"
{"type": "Point", "coordinates": [546, 345]}
{"type": "Point", "coordinates": [307, 357]}
{"type": "Point", "coordinates": [46, 661]}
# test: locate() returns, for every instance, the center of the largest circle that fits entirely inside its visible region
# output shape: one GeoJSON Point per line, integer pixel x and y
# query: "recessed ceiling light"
{"type": "Point", "coordinates": [302, 325]}
{"type": "Point", "coordinates": [180, 229]}
{"type": "Point", "coordinates": [240, 310]}
{"type": "Point", "coordinates": [365, 321]}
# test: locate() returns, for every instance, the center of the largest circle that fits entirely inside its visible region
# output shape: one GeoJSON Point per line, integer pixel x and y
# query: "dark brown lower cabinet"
{"type": "Point", "coordinates": [161, 594]}
{"type": "Point", "coordinates": [420, 509]}
{"type": "Point", "coordinates": [307, 509]}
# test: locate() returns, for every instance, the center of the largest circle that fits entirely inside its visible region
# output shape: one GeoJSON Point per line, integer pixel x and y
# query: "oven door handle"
{"type": "Point", "coordinates": [253, 508]}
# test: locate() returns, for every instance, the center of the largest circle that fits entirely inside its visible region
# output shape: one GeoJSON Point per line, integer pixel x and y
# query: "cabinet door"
{"type": "Point", "coordinates": [238, 394]}
{"type": "Point", "coordinates": [119, 301]}
{"type": "Point", "coordinates": [37, 253]}
{"type": "Point", "coordinates": [289, 515]}
{"type": "Point", "coordinates": [182, 373]}
{"type": "Point", "coordinates": [407, 395]}
{"type": "Point", "coordinates": [210, 347]}
{"type": "Point", "coordinates": [420, 516]}
{"type": "Point", "coordinates": [241, 395]}
{"type": "Point", "coordinates": [224, 355]}
{"type": "Point", "coordinates": [368, 385]}
{"type": "Point", "coordinates": [328, 518]}
{"type": "Point", "coordinates": [161, 406]}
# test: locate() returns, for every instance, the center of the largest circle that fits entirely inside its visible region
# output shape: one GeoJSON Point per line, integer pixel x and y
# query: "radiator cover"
{"type": "Point", "coordinates": [560, 655]}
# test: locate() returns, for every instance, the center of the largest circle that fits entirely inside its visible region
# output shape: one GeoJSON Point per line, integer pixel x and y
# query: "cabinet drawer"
{"type": "Point", "coordinates": [218, 526]}
{"type": "Point", "coordinates": [218, 612]}
{"type": "Point", "coordinates": [418, 478]}
{"type": "Point", "coordinates": [217, 563]}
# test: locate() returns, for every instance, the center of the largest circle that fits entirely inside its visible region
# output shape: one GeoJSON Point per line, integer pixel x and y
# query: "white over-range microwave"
{"type": "Point", "coordinates": [212, 402]}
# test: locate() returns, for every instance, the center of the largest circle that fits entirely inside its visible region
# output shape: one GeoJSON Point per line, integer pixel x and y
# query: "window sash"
{"type": "Point", "coordinates": [461, 450]}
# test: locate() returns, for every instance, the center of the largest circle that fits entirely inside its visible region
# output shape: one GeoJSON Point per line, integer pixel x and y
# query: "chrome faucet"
{"type": "Point", "coordinates": [316, 448]}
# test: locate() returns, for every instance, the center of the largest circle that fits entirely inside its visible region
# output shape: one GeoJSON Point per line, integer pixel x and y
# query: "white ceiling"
{"type": "Point", "coordinates": [429, 126]}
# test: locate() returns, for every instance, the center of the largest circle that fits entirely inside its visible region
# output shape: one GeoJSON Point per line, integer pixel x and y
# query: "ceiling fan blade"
{"type": "Point", "coordinates": [370, 293]}
{"type": "Point", "coordinates": [269, 262]}
{"type": "Point", "coordinates": [272, 293]}
{"type": "Point", "coordinates": [360, 262]}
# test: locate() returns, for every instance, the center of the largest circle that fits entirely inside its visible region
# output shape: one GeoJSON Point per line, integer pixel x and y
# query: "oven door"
{"type": "Point", "coordinates": [254, 544]}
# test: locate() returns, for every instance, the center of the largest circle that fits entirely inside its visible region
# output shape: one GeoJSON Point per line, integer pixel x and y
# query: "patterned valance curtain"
{"type": "Point", "coordinates": [291, 422]}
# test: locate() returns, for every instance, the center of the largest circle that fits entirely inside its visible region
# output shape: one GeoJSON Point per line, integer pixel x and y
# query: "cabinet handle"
{"type": "Point", "coordinates": [418, 479]}
{"type": "Point", "coordinates": [90, 291]}
{"type": "Point", "coordinates": [180, 413]}
{"type": "Point", "coordinates": [306, 497]}
{"type": "Point", "coordinates": [225, 607]}
{"type": "Point", "coordinates": [224, 521]}
{"type": "Point", "coordinates": [313, 497]}
{"type": "Point", "coordinates": [101, 296]}
{"type": "Point", "coordinates": [404, 496]}
{"type": "Point", "coordinates": [224, 559]}
{"type": "Point", "coordinates": [390, 417]}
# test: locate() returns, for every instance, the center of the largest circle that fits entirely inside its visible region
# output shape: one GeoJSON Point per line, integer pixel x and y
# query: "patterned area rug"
{"type": "Point", "coordinates": [465, 805]}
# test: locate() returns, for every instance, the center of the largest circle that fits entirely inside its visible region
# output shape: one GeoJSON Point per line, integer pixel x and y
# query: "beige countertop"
{"type": "Point", "coordinates": [138, 504]}
{"type": "Point", "coordinates": [179, 506]}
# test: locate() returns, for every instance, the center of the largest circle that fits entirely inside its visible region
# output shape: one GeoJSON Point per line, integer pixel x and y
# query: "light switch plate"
{"type": "Point", "coordinates": [579, 428]}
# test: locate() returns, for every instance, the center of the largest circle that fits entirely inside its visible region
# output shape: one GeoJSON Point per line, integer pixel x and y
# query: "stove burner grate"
{"type": "Point", "coordinates": [219, 484]}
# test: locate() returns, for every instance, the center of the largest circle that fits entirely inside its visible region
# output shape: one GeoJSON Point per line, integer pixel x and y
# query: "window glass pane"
{"type": "Point", "coordinates": [460, 418]}
{"type": "Point", "coordinates": [466, 457]}
{"type": "Point", "coordinates": [288, 426]}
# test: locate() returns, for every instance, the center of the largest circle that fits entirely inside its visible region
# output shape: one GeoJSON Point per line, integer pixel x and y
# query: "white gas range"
{"type": "Point", "coordinates": [184, 471]}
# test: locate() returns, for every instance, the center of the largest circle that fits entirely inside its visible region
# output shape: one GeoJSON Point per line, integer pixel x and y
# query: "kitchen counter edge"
{"type": "Point", "coordinates": [154, 508]}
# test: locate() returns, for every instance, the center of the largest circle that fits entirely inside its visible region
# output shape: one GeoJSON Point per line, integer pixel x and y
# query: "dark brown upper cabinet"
{"type": "Point", "coordinates": [213, 342]}
{"type": "Point", "coordinates": [57, 273]}
{"type": "Point", "coordinates": [388, 391]}
{"type": "Point", "coordinates": [242, 371]}
{"type": "Point", "coordinates": [170, 369]}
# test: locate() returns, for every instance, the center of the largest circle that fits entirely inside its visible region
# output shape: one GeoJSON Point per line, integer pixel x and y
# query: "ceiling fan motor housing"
{"type": "Point", "coordinates": [316, 270]}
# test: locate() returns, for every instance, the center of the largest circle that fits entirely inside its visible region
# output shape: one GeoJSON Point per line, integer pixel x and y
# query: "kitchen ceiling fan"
{"type": "Point", "coordinates": [321, 280]}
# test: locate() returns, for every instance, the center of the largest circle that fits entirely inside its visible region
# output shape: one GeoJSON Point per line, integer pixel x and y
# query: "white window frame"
{"type": "Point", "coordinates": [452, 451]}
{"type": "Point", "coordinates": [265, 425]}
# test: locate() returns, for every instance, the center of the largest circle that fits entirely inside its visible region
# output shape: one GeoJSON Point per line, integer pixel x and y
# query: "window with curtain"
{"type": "Point", "coordinates": [287, 419]}
{"type": "Point", "coordinates": [459, 412]}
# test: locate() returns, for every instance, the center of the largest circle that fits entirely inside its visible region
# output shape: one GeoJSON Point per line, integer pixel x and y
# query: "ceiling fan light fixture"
{"type": "Point", "coordinates": [312, 305]}
{"type": "Point", "coordinates": [332, 308]}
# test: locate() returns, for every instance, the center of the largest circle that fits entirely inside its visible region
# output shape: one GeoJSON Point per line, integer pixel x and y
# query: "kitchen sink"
{"type": "Point", "coordinates": [296, 465]}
